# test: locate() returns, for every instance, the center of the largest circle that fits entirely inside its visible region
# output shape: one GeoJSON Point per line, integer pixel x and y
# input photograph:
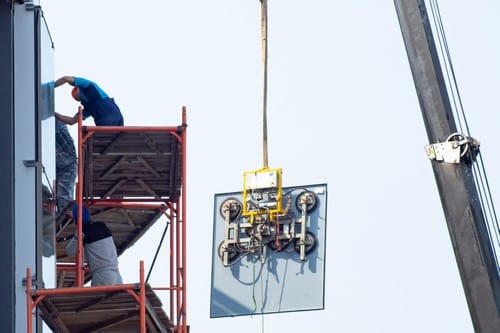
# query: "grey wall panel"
{"type": "Point", "coordinates": [25, 150]}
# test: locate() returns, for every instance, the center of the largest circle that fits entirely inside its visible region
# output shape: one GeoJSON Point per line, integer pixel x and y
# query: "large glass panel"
{"type": "Point", "coordinates": [47, 147]}
{"type": "Point", "coordinates": [269, 263]}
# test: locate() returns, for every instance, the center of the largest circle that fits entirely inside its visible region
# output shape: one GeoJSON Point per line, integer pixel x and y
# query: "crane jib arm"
{"type": "Point", "coordinates": [455, 181]}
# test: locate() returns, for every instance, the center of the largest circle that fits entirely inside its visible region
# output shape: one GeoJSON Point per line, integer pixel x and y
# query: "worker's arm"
{"type": "Point", "coordinates": [72, 246]}
{"type": "Point", "coordinates": [65, 79]}
{"type": "Point", "coordinates": [67, 119]}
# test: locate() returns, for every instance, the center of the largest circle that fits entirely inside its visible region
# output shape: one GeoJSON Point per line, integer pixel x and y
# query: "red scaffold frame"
{"type": "Point", "coordinates": [174, 209]}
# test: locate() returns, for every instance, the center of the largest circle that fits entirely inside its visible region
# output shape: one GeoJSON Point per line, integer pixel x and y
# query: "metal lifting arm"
{"type": "Point", "coordinates": [459, 196]}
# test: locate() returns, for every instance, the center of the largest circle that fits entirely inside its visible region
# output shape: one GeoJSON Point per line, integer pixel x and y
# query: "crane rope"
{"type": "Point", "coordinates": [450, 72]}
{"type": "Point", "coordinates": [265, 156]}
{"type": "Point", "coordinates": [263, 25]}
{"type": "Point", "coordinates": [479, 169]}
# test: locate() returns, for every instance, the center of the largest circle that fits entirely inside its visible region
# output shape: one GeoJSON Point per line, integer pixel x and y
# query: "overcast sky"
{"type": "Point", "coordinates": [342, 111]}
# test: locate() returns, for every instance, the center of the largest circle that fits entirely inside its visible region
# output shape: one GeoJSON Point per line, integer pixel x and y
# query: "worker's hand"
{"type": "Point", "coordinates": [67, 119]}
{"type": "Point", "coordinates": [75, 236]}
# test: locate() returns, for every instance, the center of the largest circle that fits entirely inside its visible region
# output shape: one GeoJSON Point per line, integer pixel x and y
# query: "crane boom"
{"type": "Point", "coordinates": [455, 182]}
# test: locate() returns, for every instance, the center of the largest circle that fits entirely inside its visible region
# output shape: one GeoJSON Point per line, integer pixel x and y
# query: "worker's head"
{"type": "Point", "coordinates": [85, 214]}
{"type": "Point", "coordinates": [75, 92]}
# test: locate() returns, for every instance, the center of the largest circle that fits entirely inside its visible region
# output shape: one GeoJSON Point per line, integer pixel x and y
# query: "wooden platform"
{"type": "Point", "coordinates": [101, 311]}
{"type": "Point", "coordinates": [132, 164]}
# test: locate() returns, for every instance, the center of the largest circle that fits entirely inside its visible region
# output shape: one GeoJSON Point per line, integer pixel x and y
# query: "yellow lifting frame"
{"type": "Point", "coordinates": [265, 180]}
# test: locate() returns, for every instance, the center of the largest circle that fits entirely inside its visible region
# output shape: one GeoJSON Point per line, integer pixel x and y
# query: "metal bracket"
{"type": "Point", "coordinates": [30, 163]}
{"type": "Point", "coordinates": [453, 149]}
{"type": "Point", "coordinates": [30, 6]}
{"type": "Point", "coordinates": [20, 2]}
{"type": "Point", "coordinates": [34, 281]}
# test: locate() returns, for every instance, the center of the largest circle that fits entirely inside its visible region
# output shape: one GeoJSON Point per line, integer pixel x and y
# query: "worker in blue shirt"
{"type": "Point", "coordinates": [96, 103]}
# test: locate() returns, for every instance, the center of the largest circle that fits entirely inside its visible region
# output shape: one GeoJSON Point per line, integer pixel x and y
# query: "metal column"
{"type": "Point", "coordinates": [459, 197]}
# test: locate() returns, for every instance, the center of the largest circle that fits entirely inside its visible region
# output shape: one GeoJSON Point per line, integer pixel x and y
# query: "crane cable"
{"type": "Point", "coordinates": [263, 28]}
{"type": "Point", "coordinates": [263, 25]}
{"type": "Point", "coordinates": [450, 72]}
{"type": "Point", "coordinates": [479, 169]}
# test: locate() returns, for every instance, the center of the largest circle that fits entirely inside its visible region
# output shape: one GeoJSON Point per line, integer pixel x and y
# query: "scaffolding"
{"type": "Point", "coordinates": [129, 177]}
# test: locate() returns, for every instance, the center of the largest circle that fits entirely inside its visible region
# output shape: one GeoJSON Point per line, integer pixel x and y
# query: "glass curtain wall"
{"type": "Point", "coordinates": [47, 153]}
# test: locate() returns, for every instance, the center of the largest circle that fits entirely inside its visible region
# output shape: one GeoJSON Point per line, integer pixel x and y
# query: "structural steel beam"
{"type": "Point", "coordinates": [455, 182]}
